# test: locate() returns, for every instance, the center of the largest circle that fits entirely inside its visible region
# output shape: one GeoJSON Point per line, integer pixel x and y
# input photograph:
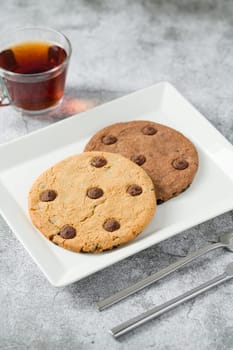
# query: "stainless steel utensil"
{"type": "Point", "coordinates": [171, 304]}
{"type": "Point", "coordinates": [225, 241]}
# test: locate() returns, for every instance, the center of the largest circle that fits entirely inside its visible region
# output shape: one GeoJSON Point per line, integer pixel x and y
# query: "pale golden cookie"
{"type": "Point", "coordinates": [168, 157]}
{"type": "Point", "coordinates": [92, 201]}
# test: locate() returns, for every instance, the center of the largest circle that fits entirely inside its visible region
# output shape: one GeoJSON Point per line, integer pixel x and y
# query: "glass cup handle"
{"type": "Point", "coordinates": [4, 96]}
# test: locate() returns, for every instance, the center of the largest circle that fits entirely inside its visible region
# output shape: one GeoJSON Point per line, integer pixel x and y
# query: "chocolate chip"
{"type": "Point", "coordinates": [180, 164]}
{"type": "Point", "coordinates": [67, 232]}
{"type": "Point", "coordinates": [139, 160]}
{"type": "Point", "coordinates": [111, 225]}
{"type": "Point", "coordinates": [160, 201]}
{"type": "Point", "coordinates": [109, 139]}
{"type": "Point", "coordinates": [95, 193]}
{"type": "Point", "coordinates": [98, 162]}
{"type": "Point", "coordinates": [149, 130]}
{"type": "Point", "coordinates": [134, 190]}
{"type": "Point", "coordinates": [48, 196]}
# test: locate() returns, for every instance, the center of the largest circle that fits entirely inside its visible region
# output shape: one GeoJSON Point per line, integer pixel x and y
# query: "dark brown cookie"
{"type": "Point", "coordinates": [165, 154]}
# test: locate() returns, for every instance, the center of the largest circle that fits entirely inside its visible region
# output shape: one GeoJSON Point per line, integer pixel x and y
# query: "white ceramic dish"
{"type": "Point", "coordinates": [24, 159]}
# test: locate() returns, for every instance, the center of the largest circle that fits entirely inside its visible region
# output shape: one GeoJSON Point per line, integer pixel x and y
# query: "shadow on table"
{"type": "Point", "coordinates": [68, 107]}
{"type": "Point", "coordinates": [77, 101]}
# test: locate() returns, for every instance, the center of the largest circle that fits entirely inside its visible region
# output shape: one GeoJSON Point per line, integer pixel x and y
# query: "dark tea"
{"type": "Point", "coordinates": [29, 89]}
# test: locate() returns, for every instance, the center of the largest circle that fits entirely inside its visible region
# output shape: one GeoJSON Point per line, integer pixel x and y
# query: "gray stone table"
{"type": "Point", "coordinates": [119, 47]}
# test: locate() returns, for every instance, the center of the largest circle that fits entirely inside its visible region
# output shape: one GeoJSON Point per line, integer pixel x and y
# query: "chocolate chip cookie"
{"type": "Point", "coordinates": [168, 157]}
{"type": "Point", "coordinates": [92, 201]}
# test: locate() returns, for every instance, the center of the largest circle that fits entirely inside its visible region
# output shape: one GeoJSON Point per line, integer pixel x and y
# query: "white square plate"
{"type": "Point", "coordinates": [24, 159]}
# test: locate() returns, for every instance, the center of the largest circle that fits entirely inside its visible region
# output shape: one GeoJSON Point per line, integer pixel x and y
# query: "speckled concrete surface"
{"type": "Point", "coordinates": [119, 47]}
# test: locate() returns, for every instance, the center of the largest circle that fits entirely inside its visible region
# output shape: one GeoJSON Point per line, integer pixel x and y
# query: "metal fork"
{"type": "Point", "coordinates": [225, 241]}
{"type": "Point", "coordinates": [159, 310]}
